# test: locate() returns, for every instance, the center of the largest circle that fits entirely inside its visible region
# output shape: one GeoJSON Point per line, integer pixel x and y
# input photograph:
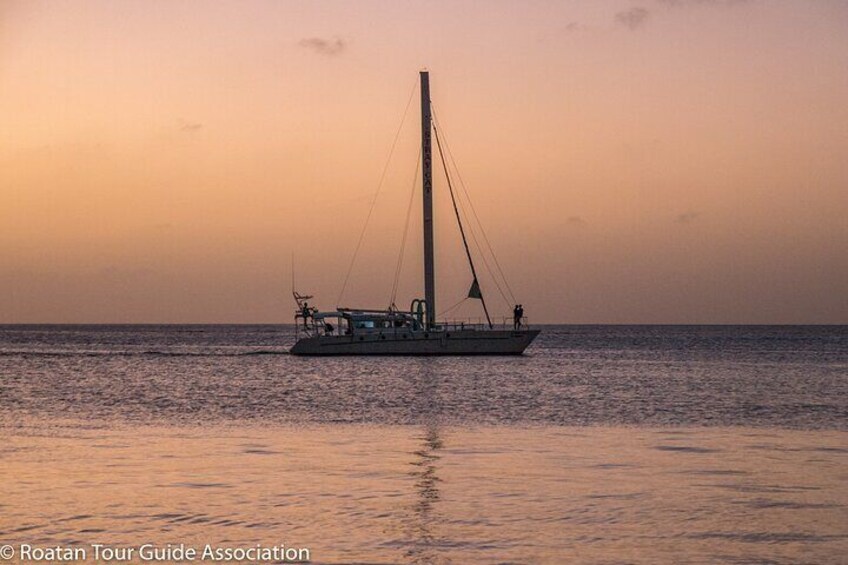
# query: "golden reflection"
{"type": "Point", "coordinates": [434, 493]}
{"type": "Point", "coordinates": [425, 516]}
{"type": "Point", "coordinates": [425, 509]}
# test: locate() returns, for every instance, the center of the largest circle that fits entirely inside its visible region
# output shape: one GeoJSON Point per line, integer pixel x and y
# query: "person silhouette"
{"type": "Point", "coordinates": [516, 317]}
{"type": "Point", "coordinates": [305, 311]}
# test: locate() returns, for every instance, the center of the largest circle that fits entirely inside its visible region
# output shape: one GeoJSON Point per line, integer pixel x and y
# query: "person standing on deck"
{"type": "Point", "coordinates": [306, 312]}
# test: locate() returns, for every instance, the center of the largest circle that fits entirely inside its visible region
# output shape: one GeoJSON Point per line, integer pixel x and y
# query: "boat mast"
{"type": "Point", "coordinates": [427, 180]}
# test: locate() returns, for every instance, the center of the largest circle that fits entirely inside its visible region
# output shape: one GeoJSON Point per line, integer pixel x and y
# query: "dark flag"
{"type": "Point", "coordinates": [474, 291]}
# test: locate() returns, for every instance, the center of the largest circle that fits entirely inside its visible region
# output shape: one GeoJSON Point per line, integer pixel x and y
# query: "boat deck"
{"type": "Point", "coordinates": [402, 341]}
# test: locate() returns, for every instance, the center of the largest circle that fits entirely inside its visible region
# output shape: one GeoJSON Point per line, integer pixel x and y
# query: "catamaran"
{"type": "Point", "coordinates": [391, 331]}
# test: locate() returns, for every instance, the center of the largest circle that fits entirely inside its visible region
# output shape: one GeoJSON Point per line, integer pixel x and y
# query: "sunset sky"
{"type": "Point", "coordinates": [649, 161]}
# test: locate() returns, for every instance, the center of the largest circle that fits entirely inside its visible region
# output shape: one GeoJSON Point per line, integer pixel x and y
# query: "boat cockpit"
{"type": "Point", "coordinates": [345, 321]}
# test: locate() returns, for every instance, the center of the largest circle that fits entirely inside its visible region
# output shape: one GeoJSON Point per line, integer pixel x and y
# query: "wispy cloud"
{"type": "Point", "coordinates": [687, 217]}
{"type": "Point", "coordinates": [675, 3]}
{"type": "Point", "coordinates": [573, 27]}
{"type": "Point", "coordinates": [321, 46]}
{"type": "Point", "coordinates": [632, 19]}
{"type": "Point", "coordinates": [190, 127]}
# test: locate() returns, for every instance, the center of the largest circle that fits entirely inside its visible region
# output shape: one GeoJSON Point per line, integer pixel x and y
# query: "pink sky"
{"type": "Point", "coordinates": [676, 161]}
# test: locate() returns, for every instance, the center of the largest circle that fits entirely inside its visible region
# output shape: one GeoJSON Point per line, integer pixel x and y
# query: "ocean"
{"type": "Point", "coordinates": [602, 444]}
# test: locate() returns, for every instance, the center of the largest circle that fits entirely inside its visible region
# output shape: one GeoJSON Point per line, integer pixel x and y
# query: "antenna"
{"type": "Point", "coordinates": [298, 298]}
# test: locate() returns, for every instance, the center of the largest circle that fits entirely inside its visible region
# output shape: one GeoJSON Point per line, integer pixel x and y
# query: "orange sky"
{"type": "Point", "coordinates": [653, 161]}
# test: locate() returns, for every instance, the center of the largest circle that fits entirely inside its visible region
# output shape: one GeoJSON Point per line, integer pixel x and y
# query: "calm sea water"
{"type": "Point", "coordinates": [602, 444]}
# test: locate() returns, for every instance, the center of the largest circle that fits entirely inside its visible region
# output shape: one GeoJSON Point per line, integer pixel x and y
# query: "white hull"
{"type": "Point", "coordinates": [459, 342]}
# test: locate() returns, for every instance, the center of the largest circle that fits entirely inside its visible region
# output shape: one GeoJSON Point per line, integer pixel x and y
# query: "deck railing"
{"type": "Point", "coordinates": [453, 324]}
{"type": "Point", "coordinates": [503, 323]}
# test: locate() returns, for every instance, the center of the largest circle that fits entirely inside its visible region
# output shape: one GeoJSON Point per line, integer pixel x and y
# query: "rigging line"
{"type": "Point", "coordinates": [443, 312]}
{"type": "Point", "coordinates": [481, 251]}
{"type": "Point", "coordinates": [477, 243]}
{"type": "Point", "coordinates": [482, 230]}
{"type": "Point", "coordinates": [483, 256]}
{"type": "Point", "coordinates": [491, 251]}
{"type": "Point", "coordinates": [399, 265]}
{"type": "Point", "coordinates": [376, 194]}
{"type": "Point", "coordinates": [459, 221]}
{"type": "Point", "coordinates": [488, 246]}
{"type": "Point", "coordinates": [474, 211]}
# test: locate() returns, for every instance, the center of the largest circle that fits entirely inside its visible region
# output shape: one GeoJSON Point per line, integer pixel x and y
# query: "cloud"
{"type": "Point", "coordinates": [190, 127]}
{"type": "Point", "coordinates": [328, 47]}
{"type": "Point", "coordinates": [687, 217]}
{"type": "Point", "coordinates": [575, 221]}
{"type": "Point", "coordinates": [633, 19]}
{"type": "Point", "coordinates": [675, 3]}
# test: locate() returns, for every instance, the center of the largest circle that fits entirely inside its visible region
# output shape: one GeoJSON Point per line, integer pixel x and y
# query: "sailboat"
{"type": "Point", "coordinates": [351, 331]}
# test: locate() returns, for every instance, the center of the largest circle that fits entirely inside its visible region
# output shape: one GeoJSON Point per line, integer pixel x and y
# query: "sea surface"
{"type": "Point", "coordinates": [602, 444]}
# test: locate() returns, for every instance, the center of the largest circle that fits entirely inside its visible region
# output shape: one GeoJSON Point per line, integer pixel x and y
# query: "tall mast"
{"type": "Point", "coordinates": [427, 180]}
